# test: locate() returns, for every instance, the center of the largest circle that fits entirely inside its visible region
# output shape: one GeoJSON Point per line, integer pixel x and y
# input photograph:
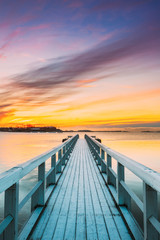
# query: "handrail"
{"type": "Point", "coordinates": [151, 177]}
{"type": "Point", "coordinates": [39, 194]}
{"type": "Point", "coordinates": [123, 194]}
{"type": "Point", "coordinates": [11, 176]}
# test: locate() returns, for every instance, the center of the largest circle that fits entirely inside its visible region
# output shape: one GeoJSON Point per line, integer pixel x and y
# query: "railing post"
{"type": "Point", "coordinates": [120, 176]}
{"type": "Point", "coordinates": [53, 164]}
{"type": "Point", "coordinates": [38, 198]}
{"type": "Point", "coordinates": [63, 156]}
{"type": "Point", "coordinates": [64, 150]}
{"type": "Point", "coordinates": [59, 167]}
{"type": "Point", "coordinates": [109, 165]}
{"type": "Point", "coordinates": [150, 205]}
{"type": "Point", "coordinates": [52, 177]}
{"type": "Point", "coordinates": [11, 208]}
{"type": "Point", "coordinates": [99, 158]}
{"type": "Point", "coordinates": [103, 165]}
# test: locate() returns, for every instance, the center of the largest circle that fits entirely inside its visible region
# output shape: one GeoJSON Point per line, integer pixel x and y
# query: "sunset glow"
{"type": "Point", "coordinates": [80, 64]}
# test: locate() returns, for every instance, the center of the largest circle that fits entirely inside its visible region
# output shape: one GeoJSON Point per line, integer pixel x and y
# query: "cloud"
{"type": "Point", "coordinates": [8, 40]}
{"type": "Point", "coordinates": [39, 27]}
{"type": "Point", "coordinates": [66, 75]}
{"type": "Point", "coordinates": [103, 56]}
{"type": "Point", "coordinates": [4, 114]}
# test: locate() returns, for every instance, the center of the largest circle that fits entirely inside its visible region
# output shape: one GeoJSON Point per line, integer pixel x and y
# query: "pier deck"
{"type": "Point", "coordinates": [81, 206]}
{"type": "Point", "coordinates": [81, 196]}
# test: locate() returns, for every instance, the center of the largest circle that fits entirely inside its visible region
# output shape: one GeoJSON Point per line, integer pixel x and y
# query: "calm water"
{"type": "Point", "coordinates": [16, 148]}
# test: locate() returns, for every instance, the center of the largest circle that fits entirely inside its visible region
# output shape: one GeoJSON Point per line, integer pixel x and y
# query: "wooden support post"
{"type": "Point", "coordinates": [38, 198]}
{"type": "Point", "coordinates": [51, 179]}
{"type": "Point", "coordinates": [103, 165]}
{"type": "Point", "coordinates": [71, 146]}
{"type": "Point", "coordinates": [11, 208]}
{"type": "Point", "coordinates": [150, 204]}
{"type": "Point", "coordinates": [109, 164]}
{"type": "Point", "coordinates": [98, 149]}
{"type": "Point", "coordinates": [53, 164]}
{"type": "Point", "coordinates": [64, 150]}
{"type": "Point", "coordinates": [59, 167]}
{"type": "Point", "coordinates": [127, 200]}
{"type": "Point", "coordinates": [99, 157]}
{"type": "Point", "coordinates": [120, 176]}
{"type": "Point", "coordinates": [64, 159]}
{"type": "Point", "coordinates": [95, 152]}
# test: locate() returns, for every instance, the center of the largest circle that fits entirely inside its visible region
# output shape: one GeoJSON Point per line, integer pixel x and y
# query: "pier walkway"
{"type": "Point", "coordinates": [80, 196]}
{"type": "Point", "coordinates": [81, 206]}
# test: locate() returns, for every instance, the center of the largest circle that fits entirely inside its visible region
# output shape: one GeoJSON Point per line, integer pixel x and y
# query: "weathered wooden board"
{"type": "Point", "coordinates": [81, 206]}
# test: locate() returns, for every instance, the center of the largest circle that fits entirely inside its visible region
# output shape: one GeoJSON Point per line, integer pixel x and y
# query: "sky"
{"type": "Point", "coordinates": [80, 64]}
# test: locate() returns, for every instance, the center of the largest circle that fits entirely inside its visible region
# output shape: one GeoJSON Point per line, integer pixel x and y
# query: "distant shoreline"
{"type": "Point", "coordinates": [55, 130]}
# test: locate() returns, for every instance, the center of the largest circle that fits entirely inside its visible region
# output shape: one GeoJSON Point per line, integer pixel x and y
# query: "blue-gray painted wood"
{"type": "Point", "coordinates": [9, 182]}
{"type": "Point", "coordinates": [150, 200]}
{"type": "Point", "coordinates": [78, 207]}
{"type": "Point", "coordinates": [28, 227]}
{"type": "Point", "coordinates": [123, 195]}
{"type": "Point", "coordinates": [11, 208]}
{"type": "Point", "coordinates": [29, 195]}
{"type": "Point", "coordinates": [4, 224]}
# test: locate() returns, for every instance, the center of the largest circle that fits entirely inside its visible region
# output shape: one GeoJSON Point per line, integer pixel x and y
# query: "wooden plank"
{"type": "Point", "coordinates": [131, 223]}
{"type": "Point", "coordinates": [52, 221]}
{"type": "Point", "coordinates": [62, 218]}
{"type": "Point", "coordinates": [155, 223]}
{"type": "Point", "coordinates": [46, 214]}
{"type": "Point", "coordinates": [81, 227]}
{"type": "Point", "coordinates": [49, 191]}
{"type": "Point", "coordinates": [120, 227]}
{"type": "Point", "coordinates": [81, 207]}
{"type": "Point", "coordinates": [90, 215]}
{"type": "Point", "coordinates": [5, 223]}
{"type": "Point", "coordinates": [99, 217]}
{"type": "Point", "coordinates": [31, 222]}
{"type": "Point", "coordinates": [72, 214]}
{"type": "Point", "coordinates": [108, 218]}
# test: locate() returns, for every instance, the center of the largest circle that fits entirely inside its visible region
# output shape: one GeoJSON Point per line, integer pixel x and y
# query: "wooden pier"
{"type": "Point", "coordinates": [81, 197]}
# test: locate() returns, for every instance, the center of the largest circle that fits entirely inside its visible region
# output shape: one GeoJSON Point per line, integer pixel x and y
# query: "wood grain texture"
{"type": "Point", "coordinates": [81, 206]}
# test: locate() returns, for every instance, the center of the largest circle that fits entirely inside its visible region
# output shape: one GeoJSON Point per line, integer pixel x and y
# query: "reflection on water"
{"type": "Point", "coordinates": [16, 148]}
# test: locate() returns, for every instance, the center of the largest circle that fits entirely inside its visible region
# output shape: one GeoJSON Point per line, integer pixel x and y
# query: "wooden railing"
{"type": "Point", "coordinates": [9, 184]}
{"type": "Point", "coordinates": [122, 194]}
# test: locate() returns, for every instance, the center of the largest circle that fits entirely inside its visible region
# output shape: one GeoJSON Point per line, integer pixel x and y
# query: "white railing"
{"type": "Point", "coordinates": [123, 194]}
{"type": "Point", "coordinates": [9, 184]}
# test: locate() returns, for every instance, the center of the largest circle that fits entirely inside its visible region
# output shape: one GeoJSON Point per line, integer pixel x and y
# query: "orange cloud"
{"type": "Point", "coordinates": [86, 81]}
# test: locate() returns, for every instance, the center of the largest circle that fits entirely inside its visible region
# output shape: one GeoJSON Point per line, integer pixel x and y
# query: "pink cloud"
{"type": "Point", "coordinates": [40, 27]}
{"type": "Point", "coordinates": [9, 39]}
{"type": "Point", "coordinates": [2, 56]}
